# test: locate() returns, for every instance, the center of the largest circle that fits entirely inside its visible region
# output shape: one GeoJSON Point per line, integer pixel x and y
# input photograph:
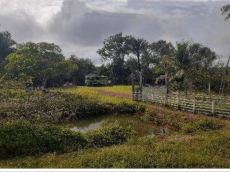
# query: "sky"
{"type": "Point", "coordinates": [79, 27]}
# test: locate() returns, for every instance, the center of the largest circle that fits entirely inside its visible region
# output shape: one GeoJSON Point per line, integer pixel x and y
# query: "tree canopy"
{"type": "Point", "coordinates": [40, 61]}
{"type": "Point", "coordinates": [7, 46]}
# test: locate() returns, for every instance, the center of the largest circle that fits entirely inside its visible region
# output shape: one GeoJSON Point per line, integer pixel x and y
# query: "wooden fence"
{"type": "Point", "coordinates": [209, 107]}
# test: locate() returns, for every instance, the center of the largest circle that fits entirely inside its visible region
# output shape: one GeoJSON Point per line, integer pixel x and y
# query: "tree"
{"type": "Point", "coordinates": [226, 11]}
{"type": "Point", "coordinates": [85, 67]}
{"type": "Point", "coordinates": [115, 49]}
{"type": "Point", "coordinates": [6, 47]}
{"type": "Point", "coordinates": [150, 60]}
{"type": "Point", "coordinates": [168, 67]}
{"type": "Point", "coordinates": [202, 63]}
{"type": "Point", "coordinates": [159, 49]}
{"type": "Point", "coordinates": [195, 62]}
{"type": "Point", "coordinates": [137, 47]}
{"type": "Point", "coordinates": [41, 61]}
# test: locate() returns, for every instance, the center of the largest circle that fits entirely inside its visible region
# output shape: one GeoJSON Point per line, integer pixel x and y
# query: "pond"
{"type": "Point", "coordinates": [142, 128]}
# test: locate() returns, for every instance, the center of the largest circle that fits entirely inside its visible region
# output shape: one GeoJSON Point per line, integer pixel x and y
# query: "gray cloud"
{"type": "Point", "coordinates": [79, 29]}
{"type": "Point", "coordinates": [22, 26]}
{"type": "Point", "coordinates": [78, 24]}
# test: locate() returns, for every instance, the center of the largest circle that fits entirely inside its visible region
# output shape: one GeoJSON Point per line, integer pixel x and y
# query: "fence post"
{"type": "Point", "coordinates": [152, 97]}
{"type": "Point", "coordinates": [165, 100]}
{"type": "Point", "coordinates": [213, 107]}
{"type": "Point", "coordinates": [194, 106]}
{"type": "Point", "coordinates": [178, 102]}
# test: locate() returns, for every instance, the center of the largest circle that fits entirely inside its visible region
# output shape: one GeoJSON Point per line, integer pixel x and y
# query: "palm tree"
{"type": "Point", "coordinates": [138, 47]}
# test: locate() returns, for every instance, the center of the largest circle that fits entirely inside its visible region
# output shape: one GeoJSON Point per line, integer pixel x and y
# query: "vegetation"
{"type": "Point", "coordinates": [57, 106]}
{"type": "Point", "coordinates": [23, 138]}
{"type": "Point", "coordinates": [30, 132]}
{"type": "Point", "coordinates": [186, 141]}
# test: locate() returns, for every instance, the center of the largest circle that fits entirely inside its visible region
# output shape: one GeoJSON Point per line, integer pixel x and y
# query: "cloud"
{"type": "Point", "coordinates": [80, 27]}
{"type": "Point", "coordinates": [41, 10]}
{"type": "Point", "coordinates": [78, 24]}
{"type": "Point", "coordinates": [22, 26]}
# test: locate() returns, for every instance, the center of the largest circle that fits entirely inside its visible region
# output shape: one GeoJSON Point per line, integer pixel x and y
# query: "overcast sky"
{"type": "Point", "coordinates": [80, 26]}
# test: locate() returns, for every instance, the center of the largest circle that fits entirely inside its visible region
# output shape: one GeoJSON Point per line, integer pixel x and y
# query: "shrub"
{"type": "Point", "coordinates": [23, 138]}
{"type": "Point", "coordinates": [108, 136]}
{"type": "Point", "coordinates": [202, 125]}
{"type": "Point", "coordinates": [60, 106]}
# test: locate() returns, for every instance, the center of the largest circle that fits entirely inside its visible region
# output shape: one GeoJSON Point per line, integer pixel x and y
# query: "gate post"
{"type": "Point", "coordinates": [194, 106]}
{"type": "Point", "coordinates": [178, 102]}
{"type": "Point", "coordinates": [213, 107]}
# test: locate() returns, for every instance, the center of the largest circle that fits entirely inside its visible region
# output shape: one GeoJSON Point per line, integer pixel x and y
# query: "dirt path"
{"type": "Point", "coordinates": [111, 93]}
{"type": "Point", "coordinates": [157, 108]}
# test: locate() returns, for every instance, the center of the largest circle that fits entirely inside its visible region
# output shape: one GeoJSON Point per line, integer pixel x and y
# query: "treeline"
{"type": "Point", "coordinates": [39, 64]}
{"type": "Point", "coordinates": [185, 65]}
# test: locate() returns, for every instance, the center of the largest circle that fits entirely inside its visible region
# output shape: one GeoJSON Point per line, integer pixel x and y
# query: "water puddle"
{"type": "Point", "coordinates": [142, 128]}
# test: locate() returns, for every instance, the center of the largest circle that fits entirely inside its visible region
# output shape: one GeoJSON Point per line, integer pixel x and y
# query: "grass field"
{"type": "Point", "coordinates": [195, 141]}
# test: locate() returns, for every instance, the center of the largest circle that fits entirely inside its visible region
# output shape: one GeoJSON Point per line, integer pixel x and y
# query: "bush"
{"type": "Point", "coordinates": [108, 136]}
{"type": "Point", "coordinates": [59, 106]}
{"type": "Point", "coordinates": [202, 125]}
{"type": "Point", "coordinates": [23, 138]}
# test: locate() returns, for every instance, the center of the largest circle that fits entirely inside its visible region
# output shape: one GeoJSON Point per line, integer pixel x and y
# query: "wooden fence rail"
{"type": "Point", "coordinates": [212, 107]}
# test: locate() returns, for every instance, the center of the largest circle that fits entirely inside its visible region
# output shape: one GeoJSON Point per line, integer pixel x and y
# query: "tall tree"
{"type": "Point", "coordinates": [168, 67]}
{"type": "Point", "coordinates": [226, 11]}
{"type": "Point", "coordinates": [6, 47]}
{"type": "Point", "coordinates": [202, 63]}
{"type": "Point", "coordinates": [85, 67]}
{"type": "Point", "coordinates": [115, 49]}
{"type": "Point", "coordinates": [41, 61]}
{"type": "Point", "coordinates": [138, 47]}
{"type": "Point", "coordinates": [159, 49]}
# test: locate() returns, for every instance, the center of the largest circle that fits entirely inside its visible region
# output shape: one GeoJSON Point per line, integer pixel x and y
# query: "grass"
{"type": "Point", "coordinates": [118, 88]}
{"type": "Point", "coordinates": [196, 141]}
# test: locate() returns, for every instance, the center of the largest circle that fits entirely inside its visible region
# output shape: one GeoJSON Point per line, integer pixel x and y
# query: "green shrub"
{"type": "Point", "coordinates": [108, 136]}
{"type": "Point", "coordinates": [23, 138]}
{"type": "Point", "coordinates": [125, 108]}
{"type": "Point", "coordinates": [202, 125]}
{"type": "Point", "coordinates": [58, 106]}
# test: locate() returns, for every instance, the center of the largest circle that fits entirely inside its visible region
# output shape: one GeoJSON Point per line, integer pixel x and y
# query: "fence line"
{"type": "Point", "coordinates": [212, 107]}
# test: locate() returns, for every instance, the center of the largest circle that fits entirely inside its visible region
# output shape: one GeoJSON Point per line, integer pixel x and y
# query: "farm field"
{"type": "Point", "coordinates": [35, 132]}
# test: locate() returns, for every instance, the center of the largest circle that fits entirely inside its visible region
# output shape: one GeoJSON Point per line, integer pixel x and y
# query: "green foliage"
{"type": "Point", "coordinates": [6, 48]}
{"type": "Point", "coordinates": [85, 67]}
{"type": "Point", "coordinates": [56, 107]}
{"type": "Point", "coordinates": [23, 138]}
{"type": "Point", "coordinates": [225, 11]}
{"type": "Point", "coordinates": [108, 136]}
{"type": "Point", "coordinates": [202, 125]}
{"type": "Point", "coordinates": [115, 48]}
{"type": "Point", "coordinates": [20, 138]}
{"type": "Point", "coordinates": [41, 61]}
